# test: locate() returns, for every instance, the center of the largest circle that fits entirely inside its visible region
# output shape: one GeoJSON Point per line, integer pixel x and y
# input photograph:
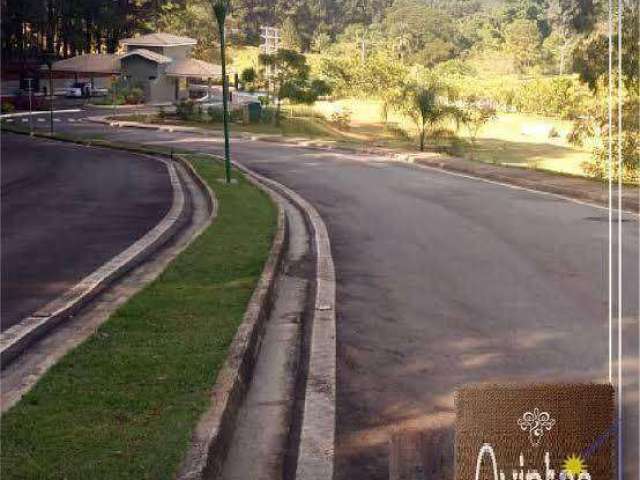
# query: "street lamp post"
{"type": "Point", "coordinates": [49, 61]}
{"type": "Point", "coordinates": [30, 108]}
{"type": "Point", "coordinates": [220, 9]}
{"type": "Point", "coordinates": [114, 85]}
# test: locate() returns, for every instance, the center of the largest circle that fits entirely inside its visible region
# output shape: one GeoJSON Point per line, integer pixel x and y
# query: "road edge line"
{"type": "Point", "coordinates": [16, 339]}
{"type": "Point", "coordinates": [573, 195]}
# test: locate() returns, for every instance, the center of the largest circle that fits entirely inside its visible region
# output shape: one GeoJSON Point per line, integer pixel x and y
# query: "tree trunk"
{"type": "Point", "coordinates": [422, 134]}
{"type": "Point", "coordinates": [277, 119]}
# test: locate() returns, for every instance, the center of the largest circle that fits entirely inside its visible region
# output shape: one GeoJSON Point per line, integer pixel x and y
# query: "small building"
{"type": "Point", "coordinates": [146, 60]}
{"type": "Point", "coordinates": [159, 63]}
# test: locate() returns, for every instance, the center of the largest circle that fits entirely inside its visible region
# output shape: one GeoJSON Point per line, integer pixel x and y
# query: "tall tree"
{"type": "Point", "coordinates": [289, 35]}
{"type": "Point", "coordinates": [522, 41]}
{"type": "Point", "coordinates": [291, 78]}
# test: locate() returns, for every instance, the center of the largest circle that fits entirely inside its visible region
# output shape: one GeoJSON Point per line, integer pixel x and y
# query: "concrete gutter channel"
{"type": "Point", "coordinates": [273, 395]}
{"type": "Point", "coordinates": [18, 338]}
{"type": "Point", "coordinates": [316, 437]}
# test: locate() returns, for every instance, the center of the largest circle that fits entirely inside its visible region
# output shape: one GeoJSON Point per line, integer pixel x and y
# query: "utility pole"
{"type": "Point", "coordinates": [270, 40]}
{"type": "Point", "coordinates": [362, 6]}
{"type": "Point", "coordinates": [270, 45]}
{"type": "Point", "coordinates": [220, 9]}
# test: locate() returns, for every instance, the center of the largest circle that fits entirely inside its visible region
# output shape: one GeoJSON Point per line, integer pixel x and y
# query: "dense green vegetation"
{"type": "Point", "coordinates": [539, 57]}
{"type": "Point", "coordinates": [124, 403]}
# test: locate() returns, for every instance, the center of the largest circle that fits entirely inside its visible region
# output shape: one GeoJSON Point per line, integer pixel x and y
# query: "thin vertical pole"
{"type": "Point", "coordinates": [50, 99]}
{"type": "Point", "coordinates": [610, 192]}
{"type": "Point", "coordinates": [113, 93]}
{"type": "Point", "coordinates": [620, 172]}
{"type": "Point", "coordinates": [225, 94]}
{"type": "Point", "coordinates": [30, 108]}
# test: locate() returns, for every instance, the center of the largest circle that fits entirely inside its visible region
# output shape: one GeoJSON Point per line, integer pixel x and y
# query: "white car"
{"type": "Point", "coordinates": [84, 89]}
{"type": "Point", "coordinates": [78, 90]}
{"type": "Point", "coordinates": [209, 98]}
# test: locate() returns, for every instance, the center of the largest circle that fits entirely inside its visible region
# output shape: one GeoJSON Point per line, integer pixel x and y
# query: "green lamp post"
{"type": "Point", "coordinates": [49, 59]}
{"type": "Point", "coordinates": [221, 9]}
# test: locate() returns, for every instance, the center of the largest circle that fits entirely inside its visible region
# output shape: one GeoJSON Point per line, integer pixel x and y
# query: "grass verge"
{"type": "Point", "coordinates": [513, 140]}
{"type": "Point", "coordinates": [123, 404]}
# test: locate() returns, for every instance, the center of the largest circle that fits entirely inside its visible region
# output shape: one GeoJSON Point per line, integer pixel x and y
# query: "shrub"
{"type": "Point", "coordinates": [185, 109]}
{"type": "Point", "coordinates": [593, 129]}
{"type": "Point", "coordinates": [396, 130]}
{"type": "Point", "coordinates": [598, 166]}
{"type": "Point", "coordinates": [475, 116]}
{"type": "Point", "coordinates": [341, 118]}
{"type": "Point", "coordinates": [7, 107]}
{"type": "Point", "coordinates": [236, 115]}
{"type": "Point", "coordinates": [126, 92]}
{"type": "Point", "coordinates": [248, 75]}
{"type": "Point", "coordinates": [215, 114]}
{"type": "Point", "coordinates": [563, 96]}
{"type": "Point", "coordinates": [268, 115]}
{"type": "Point", "coordinates": [198, 113]}
{"type": "Point", "coordinates": [134, 96]}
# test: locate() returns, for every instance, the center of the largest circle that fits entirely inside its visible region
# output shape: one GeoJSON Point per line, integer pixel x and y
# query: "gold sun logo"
{"type": "Point", "coordinates": [574, 465]}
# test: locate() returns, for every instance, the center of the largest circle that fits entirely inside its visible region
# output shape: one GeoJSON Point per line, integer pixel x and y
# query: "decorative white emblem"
{"type": "Point", "coordinates": [536, 423]}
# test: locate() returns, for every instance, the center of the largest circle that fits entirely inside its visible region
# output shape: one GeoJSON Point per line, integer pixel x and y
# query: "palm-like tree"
{"type": "Point", "coordinates": [426, 107]}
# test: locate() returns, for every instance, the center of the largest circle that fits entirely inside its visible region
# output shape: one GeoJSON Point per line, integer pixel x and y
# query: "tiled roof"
{"type": "Point", "coordinates": [149, 55]}
{"type": "Point", "coordinates": [190, 67]}
{"type": "Point", "coordinates": [158, 40]}
{"type": "Point", "coordinates": [89, 63]}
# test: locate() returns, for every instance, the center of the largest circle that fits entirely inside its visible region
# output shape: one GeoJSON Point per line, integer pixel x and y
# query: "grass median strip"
{"type": "Point", "coordinates": [124, 403]}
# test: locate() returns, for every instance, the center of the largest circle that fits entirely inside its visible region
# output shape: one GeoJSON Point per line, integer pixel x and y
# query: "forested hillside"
{"type": "Point", "coordinates": [544, 57]}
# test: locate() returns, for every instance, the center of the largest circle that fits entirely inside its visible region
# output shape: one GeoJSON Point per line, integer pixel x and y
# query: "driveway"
{"type": "Point", "coordinates": [444, 280]}
{"type": "Point", "coordinates": [66, 210]}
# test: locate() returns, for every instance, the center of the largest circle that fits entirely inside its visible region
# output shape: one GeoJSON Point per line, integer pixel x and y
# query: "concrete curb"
{"type": "Point", "coordinates": [19, 337]}
{"type": "Point", "coordinates": [37, 112]}
{"type": "Point", "coordinates": [316, 451]}
{"type": "Point", "coordinates": [204, 186]}
{"type": "Point", "coordinates": [211, 437]}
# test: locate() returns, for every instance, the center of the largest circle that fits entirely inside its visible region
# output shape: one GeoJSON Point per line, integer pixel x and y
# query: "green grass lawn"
{"type": "Point", "coordinates": [511, 139]}
{"type": "Point", "coordinates": [123, 404]}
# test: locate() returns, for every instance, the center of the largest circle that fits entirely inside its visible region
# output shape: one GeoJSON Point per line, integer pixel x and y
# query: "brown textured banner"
{"type": "Point", "coordinates": [535, 432]}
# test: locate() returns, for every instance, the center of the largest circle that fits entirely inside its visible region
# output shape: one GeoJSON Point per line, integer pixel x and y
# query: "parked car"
{"type": "Point", "coordinates": [210, 97]}
{"type": "Point", "coordinates": [78, 90]}
{"type": "Point", "coordinates": [84, 89]}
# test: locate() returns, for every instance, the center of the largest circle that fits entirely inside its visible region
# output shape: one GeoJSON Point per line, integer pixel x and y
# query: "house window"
{"type": "Point", "coordinates": [152, 78]}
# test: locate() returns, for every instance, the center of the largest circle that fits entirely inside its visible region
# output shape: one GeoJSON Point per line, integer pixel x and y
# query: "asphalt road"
{"type": "Point", "coordinates": [445, 280]}
{"type": "Point", "coordinates": [66, 210]}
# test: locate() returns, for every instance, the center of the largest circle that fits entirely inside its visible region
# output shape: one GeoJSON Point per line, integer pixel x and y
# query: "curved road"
{"type": "Point", "coordinates": [444, 280]}
{"type": "Point", "coordinates": [66, 210]}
